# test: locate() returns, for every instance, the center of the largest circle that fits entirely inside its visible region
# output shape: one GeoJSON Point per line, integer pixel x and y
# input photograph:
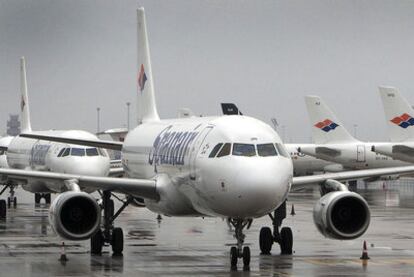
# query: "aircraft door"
{"type": "Point", "coordinates": [360, 153]}
{"type": "Point", "coordinates": [196, 149]}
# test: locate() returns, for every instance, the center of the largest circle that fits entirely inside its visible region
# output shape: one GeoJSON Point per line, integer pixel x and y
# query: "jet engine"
{"type": "Point", "coordinates": [341, 215]}
{"type": "Point", "coordinates": [75, 215]}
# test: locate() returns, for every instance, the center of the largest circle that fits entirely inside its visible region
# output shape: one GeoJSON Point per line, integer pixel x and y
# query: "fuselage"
{"type": "Point", "coordinates": [4, 145]}
{"type": "Point", "coordinates": [228, 166]}
{"type": "Point", "coordinates": [40, 155]}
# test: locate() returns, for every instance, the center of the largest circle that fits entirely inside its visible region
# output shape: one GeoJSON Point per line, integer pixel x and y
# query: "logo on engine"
{"type": "Point", "coordinates": [404, 121]}
{"type": "Point", "coordinates": [326, 125]}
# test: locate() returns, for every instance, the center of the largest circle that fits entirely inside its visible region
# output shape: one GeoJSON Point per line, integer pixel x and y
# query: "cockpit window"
{"type": "Point", "coordinates": [61, 152]}
{"type": "Point", "coordinates": [282, 151]}
{"type": "Point", "coordinates": [215, 150]}
{"type": "Point", "coordinates": [77, 152]}
{"type": "Point", "coordinates": [92, 152]}
{"type": "Point", "coordinates": [225, 150]}
{"type": "Point", "coordinates": [241, 149]}
{"type": "Point", "coordinates": [266, 150]}
{"type": "Point", "coordinates": [66, 152]}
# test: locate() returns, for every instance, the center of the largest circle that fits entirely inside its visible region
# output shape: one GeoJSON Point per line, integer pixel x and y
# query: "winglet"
{"type": "Point", "coordinates": [147, 109]}
{"type": "Point", "coordinates": [24, 101]}
{"type": "Point", "coordinates": [326, 127]}
{"type": "Point", "coordinates": [398, 114]}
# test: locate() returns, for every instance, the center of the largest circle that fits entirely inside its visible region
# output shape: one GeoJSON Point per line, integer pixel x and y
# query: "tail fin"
{"type": "Point", "coordinates": [326, 127]}
{"type": "Point", "coordinates": [24, 102]}
{"type": "Point", "coordinates": [147, 110]}
{"type": "Point", "coordinates": [398, 114]}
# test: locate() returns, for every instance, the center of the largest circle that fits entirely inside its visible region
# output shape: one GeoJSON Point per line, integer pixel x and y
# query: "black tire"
{"type": "Point", "coordinates": [8, 202]}
{"type": "Point", "coordinates": [38, 196]}
{"type": "Point", "coordinates": [246, 257]}
{"type": "Point", "coordinates": [15, 202]}
{"type": "Point", "coordinates": [233, 257]}
{"type": "Point", "coordinates": [3, 209]}
{"type": "Point", "coordinates": [286, 243]}
{"type": "Point", "coordinates": [266, 240]}
{"type": "Point", "coordinates": [97, 242]}
{"type": "Point", "coordinates": [117, 241]}
{"type": "Point", "coordinates": [47, 197]}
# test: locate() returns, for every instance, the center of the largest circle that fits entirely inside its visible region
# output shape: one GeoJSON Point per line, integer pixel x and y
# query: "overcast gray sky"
{"type": "Point", "coordinates": [263, 55]}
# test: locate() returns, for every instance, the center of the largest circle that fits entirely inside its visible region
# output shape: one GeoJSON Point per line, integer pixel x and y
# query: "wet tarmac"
{"type": "Point", "coordinates": [200, 247]}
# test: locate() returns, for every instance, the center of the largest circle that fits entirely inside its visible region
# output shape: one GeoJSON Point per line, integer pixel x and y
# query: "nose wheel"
{"type": "Point", "coordinates": [284, 237]}
{"type": "Point", "coordinates": [39, 196]}
{"type": "Point", "coordinates": [240, 252]}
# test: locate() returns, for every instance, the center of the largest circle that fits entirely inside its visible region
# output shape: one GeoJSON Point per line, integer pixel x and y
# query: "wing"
{"type": "Point", "coordinates": [352, 175]}
{"type": "Point", "coordinates": [114, 145]}
{"type": "Point", "coordinates": [136, 187]}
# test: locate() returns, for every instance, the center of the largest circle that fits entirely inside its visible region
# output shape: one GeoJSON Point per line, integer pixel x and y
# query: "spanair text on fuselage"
{"type": "Point", "coordinates": [176, 153]}
{"type": "Point", "coordinates": [40, 155]}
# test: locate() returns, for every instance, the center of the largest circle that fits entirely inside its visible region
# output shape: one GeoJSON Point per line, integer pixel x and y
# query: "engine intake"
{"type": "Point", "coordinates": [75, 215]}
{"type": "Point", "coordinates": [342, 215]}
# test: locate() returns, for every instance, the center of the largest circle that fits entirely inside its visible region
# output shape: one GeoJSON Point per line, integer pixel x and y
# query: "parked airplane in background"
{"type": "Point", "coordinates": [334, 143]}
{"type": "Point", "coordinates": [37, 155]}
{"type": "Point", "coordinates": [234, 167]}
{"type": "Point", "coordinates": [399, 117]}
{"type": "Point", "coordinates": [302, 164]}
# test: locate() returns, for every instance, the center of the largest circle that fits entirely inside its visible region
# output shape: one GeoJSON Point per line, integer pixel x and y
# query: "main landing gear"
{"type": "Point", "coordinates": [240, 252]}
{"type": "Point", "coordinates": [108, 234]}
{"type": "Point", "coordinates": [11, 200]}
{"type": "Point", "coordinates": [284, 238]}
{"type": "Point", "coordinates": [39, 196]}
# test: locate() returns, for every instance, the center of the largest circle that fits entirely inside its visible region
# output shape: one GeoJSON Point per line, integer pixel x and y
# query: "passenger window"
{"type": "Point", "coordinates": [241, 149]}
{"type": "Point", "coordinates": [215, 150]}
{"type": "Point", "coordinates": [266, 150]}
{"type": "Point", "coordinates": [225, 150]}
{"type": "Point", "coordinates": [66, 153]}
{"type": "Point", "coordinates": [92, 152]}
{"type": "Point", "coordinates": [61, 152]}
{"type": "Point", "coordinates": [282, 151]}
{"type": "Point", "coordinates": [77, 152]}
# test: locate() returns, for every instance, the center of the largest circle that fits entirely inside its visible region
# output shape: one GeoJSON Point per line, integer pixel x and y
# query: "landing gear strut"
{"type": "Point", "coordinates": [240, 251]}
{"type": "Point", "coordinates": [11, 199]}
{"type": "Point", "coordinates": [108, 234]}
{"type": "Point", "coordinates": [283, 237]}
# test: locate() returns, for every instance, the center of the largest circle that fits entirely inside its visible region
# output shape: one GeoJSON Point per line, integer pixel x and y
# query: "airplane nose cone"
{"type": "Point", "coordinates": [90, 166]}
{"type": "Point", "coordinates": [254, 187]}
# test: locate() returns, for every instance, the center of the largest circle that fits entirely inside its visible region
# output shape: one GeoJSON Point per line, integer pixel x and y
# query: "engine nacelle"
{"type": "Point", "coordinates": [342, 215]}
{"type": "Point", "coordinates": [75, 215]}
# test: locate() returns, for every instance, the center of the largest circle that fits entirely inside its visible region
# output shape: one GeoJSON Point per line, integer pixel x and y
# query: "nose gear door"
{"type": "Point", "coordinates": [196, 148]}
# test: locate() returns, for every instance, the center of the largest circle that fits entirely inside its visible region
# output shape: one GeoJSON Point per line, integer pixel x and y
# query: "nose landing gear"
{"type": "Point", "coordinates": [283, 237]}
{"type": "Point", "coordinates": [240, 252]}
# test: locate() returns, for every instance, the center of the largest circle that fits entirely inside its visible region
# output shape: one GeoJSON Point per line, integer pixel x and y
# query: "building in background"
{"type": "Point", "coordinates": [13, 125]}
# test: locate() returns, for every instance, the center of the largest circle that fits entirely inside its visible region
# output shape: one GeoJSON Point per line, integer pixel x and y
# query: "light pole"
{"type": "Point", "coordinates": [98, 119]}
{"type": "Point", "coordinates": [128, 104]}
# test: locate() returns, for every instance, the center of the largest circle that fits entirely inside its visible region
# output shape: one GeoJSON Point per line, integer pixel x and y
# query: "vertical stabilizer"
{"type": "Point", "coordinates": [326, 127]}
{"type": "Point", "coordinates": [147, 110]}
{"type": "Point", "coordinates": [24, 101]}
{"type": "Point", "coordinates": [398, 114]}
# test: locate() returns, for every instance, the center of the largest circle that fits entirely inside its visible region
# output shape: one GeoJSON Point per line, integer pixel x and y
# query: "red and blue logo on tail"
{"type": "Point", "coordinates": [326, 125]}
{"type": "Point", "coordinates": [142, 78]}
{"type": "Point", "coordinates": [404, 121]}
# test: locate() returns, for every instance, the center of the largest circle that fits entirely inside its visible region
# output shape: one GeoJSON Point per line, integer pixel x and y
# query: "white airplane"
{"type": "Point", "coordinates": [399, 117]}
{"type": "Point", "coordinates": [234, 167]}
{"type": "Point", "coordinates": [335, 144]}
{"type": "Point", "coordinates": [38, 155]}
{"type": "Point", "coordinates": [302, 164]}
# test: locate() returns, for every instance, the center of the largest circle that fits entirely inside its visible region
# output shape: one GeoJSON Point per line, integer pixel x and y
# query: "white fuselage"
{"type": "Point", "coordinates": [40, 155]}
{"type": "Point", "coordinates": [351, 155]}
{"type": "Point", "coordinates": [192, 181]}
